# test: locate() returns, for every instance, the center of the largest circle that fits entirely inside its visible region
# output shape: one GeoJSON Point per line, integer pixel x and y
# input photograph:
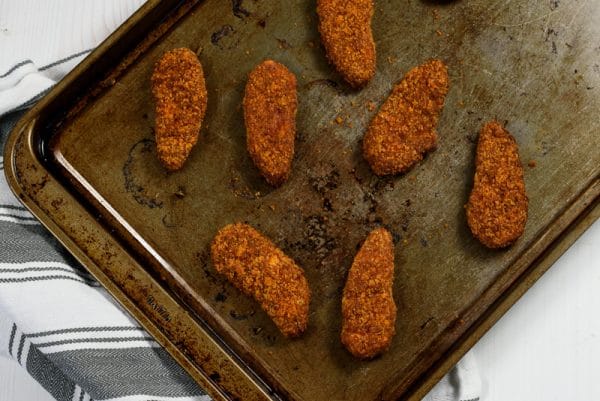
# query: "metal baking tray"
{"type": "Point", "coordinates": [83, 161]}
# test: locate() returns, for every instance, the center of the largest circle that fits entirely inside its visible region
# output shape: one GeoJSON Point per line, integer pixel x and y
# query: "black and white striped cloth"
{"type": "Point", "coordinates": [24, 83]}
{"type": "Point", "coordinates": [55, 320]}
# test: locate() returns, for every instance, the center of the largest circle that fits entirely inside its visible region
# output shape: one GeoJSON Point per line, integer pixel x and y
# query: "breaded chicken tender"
{"type": "Point", "coordinates": [180, 99]}
{"type": "Point", "coordinates": [345, 28]}
{"type": "Point", "coordinates": [368, 308]}
{"type": "Point", "coordinates": [270, 105]}
{"type": "Point", "coordinates": [404, 128]}
{"type": "Point", "coordinates": [259, 269]}
{"type": "Point", "coordinates": [497, 207]}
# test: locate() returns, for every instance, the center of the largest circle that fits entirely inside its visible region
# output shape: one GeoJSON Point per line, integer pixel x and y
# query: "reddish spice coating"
{"type": "Point", "coordinates": [259, 269]}
{"type": "Point", "coordinates": [368, 308]}
{"type": "Point", "coordinates": [497, 207]}
{"type": "Point", "coordinates": [403, 129]}
{"type": "Point", "coordinates": [180, 96]}
{"type": "Point", "coordinates": [345, 27]}
{"type": "Point", "coordinates": [270, 105]}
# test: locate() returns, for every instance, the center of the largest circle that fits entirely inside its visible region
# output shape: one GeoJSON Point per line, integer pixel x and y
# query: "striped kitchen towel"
{"type": "Point", "coordinates": [55, 320]}
{"type": "Point", "coordinates": [24, 83]}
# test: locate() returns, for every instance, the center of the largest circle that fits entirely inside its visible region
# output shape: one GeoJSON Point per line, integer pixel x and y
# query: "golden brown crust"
{"type": "Point", "coordinates": [259, 269]}
{"type": "Point", "coordinates": [368, 308]}
{"type": "Point", "coordinates": [345, 27]}
{"type": "Point", "coordinates": [403, 129]}
{"type": "Point", "coordinates": [270, 105]}
{"type": "Point", "coordinates": [497, 207]}
{"type": "Point", "coordinates": [180, 99]}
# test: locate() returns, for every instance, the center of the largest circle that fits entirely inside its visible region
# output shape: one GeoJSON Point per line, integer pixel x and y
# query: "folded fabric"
{"type": "Point", "coordinates": [55, 320]}
{"type": "Point", "coordinates": [25, 83]}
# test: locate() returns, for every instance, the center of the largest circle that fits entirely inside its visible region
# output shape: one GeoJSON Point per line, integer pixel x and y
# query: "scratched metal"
{"type": "Point", "coordinates": [532, 64]}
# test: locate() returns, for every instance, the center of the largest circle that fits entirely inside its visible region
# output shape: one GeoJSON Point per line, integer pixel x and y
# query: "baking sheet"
{"type": "Point", "coordinates": [527, 63]}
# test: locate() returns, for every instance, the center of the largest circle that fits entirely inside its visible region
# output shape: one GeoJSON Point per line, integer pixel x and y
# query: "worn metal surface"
{"type": "Point", "coordinates": [534, 65]}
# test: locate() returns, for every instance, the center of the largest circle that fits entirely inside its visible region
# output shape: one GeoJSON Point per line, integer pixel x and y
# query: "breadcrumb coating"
{"type": "Point", "coordinates": [497, 207]}
{"type": "Point", "coordinates": [270, 105]}
{"type": "Point", "coordinates": [403, 129]}
{"type": "Point", "coordinates": [180, 99]}
{"type": "Point", "coordinates": [368, 308]}
{"type": "Point", "coordinates": [345, 28]}
{"type": "Point", "coordinates": [259, 269]}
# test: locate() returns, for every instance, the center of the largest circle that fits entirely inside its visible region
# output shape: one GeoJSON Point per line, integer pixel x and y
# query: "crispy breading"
{"type": "Point", "coordinates": [270, 105]}
{"type": "Point", "coordinates": [497, 207]}
{"type": "Point", "coordinates": [180, 99]}
{"type": "Point", "coordinates": [259, 269]}
{"type": "Point", "coordinates": [368, 307]}
{"type": "Point", "coordinates": [403, 129]}
{"type": "Point", "coordinates": [345, 28]}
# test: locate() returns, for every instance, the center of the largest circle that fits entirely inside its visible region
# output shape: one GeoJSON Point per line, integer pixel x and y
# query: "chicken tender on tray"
{"type": "Point", "coordinates": [180, 99]}
{"type": "Point", "coordinates": [368, 308]}
{"type": "Point", "coordinates": [270, 104]}
{"type": "Point", "coordinates": [403, 129]}
{"type": "Point", "coordinates": [497, 207]}
{"type": "Point", "coordinates": [345, 27]}
{"type": "Point", "coordinates": [259, 269]}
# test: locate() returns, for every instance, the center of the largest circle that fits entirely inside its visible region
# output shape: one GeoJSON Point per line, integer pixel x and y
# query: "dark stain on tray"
{"type": "Point", "coordinates": [203, 260]}
{"type": "Point", "coordinates": [221, 297]}
{"type": "Point", "coordinates": [217, 36]}
{"type": "Point", "coordinates": [167, 221]}
{"type": "Point", "coordinates": [57, 203]}
{"type": "Point", "coordinates": [132, 186]}
{"type": "Point", "coordinates": [180, 193]}
{"type": "Point", "coordinates": [324, 183]}
{"type": "Point", "coordinates": [283, 44]}
{"type": "Point", "coordinates": [215, 377]}
{"type": "Point", "coordinates": [318, 238]}
{"type": "Point", "coordinates": [238, 10]}
{"type": "Point", "coordinates": [396, 236]}
{"type": "Point", "coordinates": [241, 316]}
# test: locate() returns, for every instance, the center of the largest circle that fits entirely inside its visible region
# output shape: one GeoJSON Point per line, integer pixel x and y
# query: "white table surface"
{"type": "Point", "coordinates": [546, 348]}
